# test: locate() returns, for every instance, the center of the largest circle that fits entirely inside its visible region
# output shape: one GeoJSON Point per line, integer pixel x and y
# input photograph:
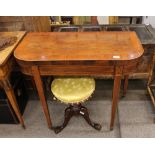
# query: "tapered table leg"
{"type": "Point", "coordinates": [11, 96]}
{"type": "Point", "coordinates": [39, 86]}
{"type": "Point", "coordinates": [125, 86]}
{"type": "Point", "coordinates": [116, 92]}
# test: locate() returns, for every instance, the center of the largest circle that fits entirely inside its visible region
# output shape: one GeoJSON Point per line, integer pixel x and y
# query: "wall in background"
{"type": "Point", "coordinates": [149, 20]}
{"type": "Point", "coordinates": [103, 19]}
{"type": "Point", "coordinates": [145, 20]}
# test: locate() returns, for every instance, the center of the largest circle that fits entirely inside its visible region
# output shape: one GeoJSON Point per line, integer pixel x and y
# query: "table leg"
{"type": "Point", "coordinates": [115, 97]}
{"type": "Point", "coordinates": [11, 96]}
{"type": "Point", "coordinates": [39, 86]}
{"type": "Point", "coordinates": [33, 83]}
{"type": "Point", "coordinates": [125, 86]}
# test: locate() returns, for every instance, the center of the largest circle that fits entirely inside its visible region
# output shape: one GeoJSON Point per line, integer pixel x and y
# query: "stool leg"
{"type": "Point", "coordinates": [68, 115]}
{"type": "Point", "coordinates": [85, 114]}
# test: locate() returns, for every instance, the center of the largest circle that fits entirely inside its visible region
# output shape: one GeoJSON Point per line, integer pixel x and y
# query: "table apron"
{"type": "Point", "coordinates": [78, 70]}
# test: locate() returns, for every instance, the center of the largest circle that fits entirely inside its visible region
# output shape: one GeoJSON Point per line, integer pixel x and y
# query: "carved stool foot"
{"type": "Point", "coordinates": [68, 115]}
{"type": "Point", "coordinates": [73, 110]}
{"type": "Point", "coordinates": [97, 126]}
{"type": "Point", "coordinates": [58, 129]}
{"type": "Point", "coordinates": [85, 114]}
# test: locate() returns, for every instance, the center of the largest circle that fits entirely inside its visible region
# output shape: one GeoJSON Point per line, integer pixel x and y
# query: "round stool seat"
{"type": "Point", "coordinates": [73, 90]}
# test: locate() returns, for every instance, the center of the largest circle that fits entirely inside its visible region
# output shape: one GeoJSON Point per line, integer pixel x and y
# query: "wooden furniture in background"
{"type": "Point", "coordinates": [132, 19]}
{"type": "Point", "coordinates": [28, 23]}
{"type": "Point", "coordinates": [6, 66]}
{"type": "Point", "coordinates": [113, 19]}
{"type": "Point", "coordinates": [73, 20]}
{"type": "Point", "coordinates": [94, 20]}
{"type": "Point", "coordinates": [146, 35]}
{"type": "Point", "coordinates": [81, 20]}
{"type": "Point", "coordinates": [80, 54]}
{"type": "Point", "coordinates": [7, 114]}
{"type": "Point", "coordinates": [122, 19]}
{"type": "Point", "coordinates": [151, 82]}
{"type": "Point", "coordinates": [25, 23]}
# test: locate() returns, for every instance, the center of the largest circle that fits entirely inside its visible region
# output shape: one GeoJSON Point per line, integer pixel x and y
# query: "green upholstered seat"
{"type": "Point", "coordinates": [73, 90]}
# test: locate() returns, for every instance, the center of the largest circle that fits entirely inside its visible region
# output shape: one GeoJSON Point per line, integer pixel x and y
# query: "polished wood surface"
{"type": "Point", "coordinates": [74, 46]}
{"type": "Point", "coordinates": [5, 54]}
{"type": "Point", "coordinates": [6, 66]}
{"type": "Point", "coordinates": [116, 90]}
{"type": "Point", "coordinates": [39, 86]}
{"type": "Point", "coordinates": [25, 23]}
{"type": "Point", "coordinates": [79, 53]}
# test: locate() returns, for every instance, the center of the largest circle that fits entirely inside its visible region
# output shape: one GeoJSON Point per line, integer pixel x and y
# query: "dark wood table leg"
{"type": "Point", "coordinates": [115, 97]}
{"type": "Point", "coordinates": [39, 86]}
{"type": "Point", "coordinates": [11, 96]}
{"type": "Point", "coordinates": [125, 85]}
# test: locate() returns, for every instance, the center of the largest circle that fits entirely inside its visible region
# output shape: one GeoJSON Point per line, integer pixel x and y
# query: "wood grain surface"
{"type": "Point", "coordinates": [56, 46]}
{"type": "Point", "coordinates": [5, 54]}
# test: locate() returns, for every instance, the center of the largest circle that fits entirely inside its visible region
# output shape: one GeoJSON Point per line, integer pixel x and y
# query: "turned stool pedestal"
{"type": "Point", "coordinates": [74, 91]}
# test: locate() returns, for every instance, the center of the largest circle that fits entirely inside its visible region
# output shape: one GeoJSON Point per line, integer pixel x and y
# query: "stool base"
{"type": "Point", "coordinates": [74, 110]}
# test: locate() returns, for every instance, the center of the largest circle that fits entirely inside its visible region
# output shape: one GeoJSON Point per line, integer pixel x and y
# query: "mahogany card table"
{"type": "Point", "coordinates": [8, 42]}
{"type": "Point", "coordinates": [79, 54]}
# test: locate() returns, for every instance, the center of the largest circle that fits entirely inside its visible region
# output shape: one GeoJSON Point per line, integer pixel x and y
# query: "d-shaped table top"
{"type": "Point", "coordinates": [71, 46]}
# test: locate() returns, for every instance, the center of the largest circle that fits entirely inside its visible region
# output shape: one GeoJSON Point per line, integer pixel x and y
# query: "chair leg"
{"type": "Point", "coordinates": [84, 112]}
{"type": "Point", "coordinates": [68, 115]}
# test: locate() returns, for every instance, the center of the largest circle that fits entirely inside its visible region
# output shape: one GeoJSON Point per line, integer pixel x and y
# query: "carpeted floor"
{"type": "Point", "coordinates": [134, 116]}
